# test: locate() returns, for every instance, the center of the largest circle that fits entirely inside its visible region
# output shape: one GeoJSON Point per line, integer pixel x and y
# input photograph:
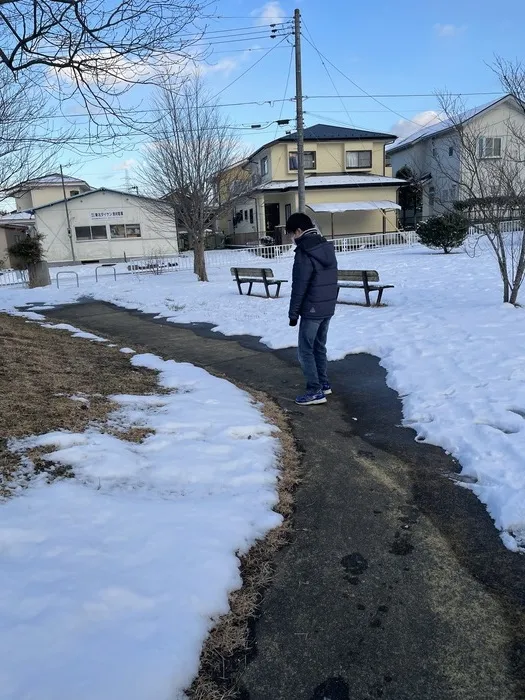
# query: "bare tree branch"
{"type": "Point", "coordinates": [189, 161]}
{"type": "Point", "coordinates": [28, 145]}
{"type": "Point", "coordinates": [96, 50]}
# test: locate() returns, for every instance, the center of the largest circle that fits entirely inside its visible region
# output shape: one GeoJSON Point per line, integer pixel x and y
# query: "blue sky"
{"type": "Point", "coordinates": [385, 48]}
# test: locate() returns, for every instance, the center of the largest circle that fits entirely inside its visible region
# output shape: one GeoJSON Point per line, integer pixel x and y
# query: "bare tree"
{"type": "Point", "coordinates": [95, 50]}
{"type": "Point", "coordinates": [483, 176]}
{"type": "Point", "coordinates": [191, 162]}
{"type": "Point", "coordinates": [29, 144]}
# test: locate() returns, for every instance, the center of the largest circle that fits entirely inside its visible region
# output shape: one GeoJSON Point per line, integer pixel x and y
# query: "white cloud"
{"type": "Point", "coordinates": [128, 164]}
{"type": "Point", "coordinates": [405, 127]}
{"type": "Point", "coordinates": [270, 13]}
{"type": "Point", "coordinates": [448, 30]}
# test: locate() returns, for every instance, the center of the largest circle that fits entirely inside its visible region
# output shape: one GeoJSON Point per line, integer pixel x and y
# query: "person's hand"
{"type": "Point", "coordinates": [293, 322]}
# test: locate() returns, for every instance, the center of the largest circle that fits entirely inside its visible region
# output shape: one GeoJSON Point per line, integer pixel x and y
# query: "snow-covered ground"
{"type": "Point", "coordinates": [452, 350]}
{"type": "Point", "coordinates": [109, 581]}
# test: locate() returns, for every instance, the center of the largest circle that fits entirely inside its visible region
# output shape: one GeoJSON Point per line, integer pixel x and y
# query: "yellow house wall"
{"type": "Point", "coordinates": [330, 157]}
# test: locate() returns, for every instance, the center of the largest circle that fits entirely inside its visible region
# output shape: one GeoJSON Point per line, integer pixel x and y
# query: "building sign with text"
{"type": "Point", "coordinates": [107, 215]}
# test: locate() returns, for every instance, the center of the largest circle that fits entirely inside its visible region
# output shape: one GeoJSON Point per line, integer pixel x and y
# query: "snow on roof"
{"type": "Point", "coordinates": [334, 181]}
{"type": "Point", "coordinates": [335, 207]}
{"type": "Point", "coordinates": [428, 131]}
{"type": "Point", "coordinates": [17, 218]}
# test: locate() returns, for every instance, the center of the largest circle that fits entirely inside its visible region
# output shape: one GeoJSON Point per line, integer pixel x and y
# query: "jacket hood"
{"type": "Point", "coordinates": [316, 246]}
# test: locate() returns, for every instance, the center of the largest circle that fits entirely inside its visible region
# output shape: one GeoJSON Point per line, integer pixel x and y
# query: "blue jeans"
{"type": "Point", "coordinates": [312, 352]}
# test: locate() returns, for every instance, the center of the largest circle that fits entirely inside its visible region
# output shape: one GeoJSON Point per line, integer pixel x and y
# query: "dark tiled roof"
{"type": "Point", "coordinates": [327, 132]}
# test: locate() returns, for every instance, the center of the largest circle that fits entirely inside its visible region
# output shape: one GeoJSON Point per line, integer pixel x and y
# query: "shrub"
{"type": "Point", "coordinates": [28, 251]}
{"type": "Point", "coordinates": [446, 232]}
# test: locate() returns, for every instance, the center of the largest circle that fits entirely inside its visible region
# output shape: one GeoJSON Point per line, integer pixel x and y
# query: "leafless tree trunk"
{"type": "Point", "coordinates": [191, 162]}
{"type": "Point", "coordinates": [486, 182]}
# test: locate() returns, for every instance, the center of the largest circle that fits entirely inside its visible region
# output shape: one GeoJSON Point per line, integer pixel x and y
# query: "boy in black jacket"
{"type": "Point", "coordinates": [314, 295]}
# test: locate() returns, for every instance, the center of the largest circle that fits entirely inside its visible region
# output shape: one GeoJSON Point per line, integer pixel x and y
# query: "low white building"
{"type": "Point", "coordinates": [105, 225]}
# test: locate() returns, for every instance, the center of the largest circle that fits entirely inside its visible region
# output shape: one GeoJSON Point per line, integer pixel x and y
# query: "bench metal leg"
{"type": "Point", "coordinates": [379, 297]}
{"type": "Point", "coordinates": [267, 289]}
{"type": "Point", "coordinates": [367, 295]}
{"type": "Point", "coordinates": [278, 290]}
{"type": "Point", "coordinates": [250, 288]}
{"type": "Point", "coordinates": [240, 287]}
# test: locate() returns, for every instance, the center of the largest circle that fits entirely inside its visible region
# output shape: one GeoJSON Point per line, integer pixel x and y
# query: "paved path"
{"type": "Point", "coordinates": [396, 584]}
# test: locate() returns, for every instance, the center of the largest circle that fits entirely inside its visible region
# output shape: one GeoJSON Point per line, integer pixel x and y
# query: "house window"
{"type": "Point", "coordinates": [309, 160]}
{"type": "Point", "coordinates": [489, 147]}
{"type": "Point", "coordinates": [451, 150]}
{"type": "Point", "coordinates": [125, 231]}
{"type": "Point", "coordinates": [264, 166]}
{"type": "Point", "coordinates": [72, 193]}
{"type": "Point", "coordinates": [431, 196]}
{"type": "Point", "coordinates": [90, 233]}
{"type": "Point", "coordinates": [434, 150]}
{"type": "Point", "coordinates": [359, 159]}
{"type": "Point", "coordinates": [251, 216]}
{"type": "Point", "coordinates": [287, 211]}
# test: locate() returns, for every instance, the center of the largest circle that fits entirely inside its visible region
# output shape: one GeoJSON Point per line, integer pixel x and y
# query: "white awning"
{"type": "Point", "coordinates": [334, 207]}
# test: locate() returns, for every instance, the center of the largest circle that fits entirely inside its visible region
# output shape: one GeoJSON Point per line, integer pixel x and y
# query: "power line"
{"type": "Point", "coordinates": [233, 30]}
{"type": "Point", "coordinates": [328, 74]}
{"type": "Point", "coordinates": [249, 69]}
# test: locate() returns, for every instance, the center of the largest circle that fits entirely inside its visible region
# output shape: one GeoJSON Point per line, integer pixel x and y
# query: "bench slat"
{"type": "Point", "coordinates": [251, 271]}
{"type": "Point", "coordinates": [357, 275]}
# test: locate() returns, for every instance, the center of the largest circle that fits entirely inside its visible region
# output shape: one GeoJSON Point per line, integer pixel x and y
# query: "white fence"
{"type": "Point", "coordinates": [250, 256]}
{"type": "Point", "coordinates": [243, 257]}
{"type": "Point", "coordinates": [514, 226]}
{"type": "Point", "coordinates": [13, 277]}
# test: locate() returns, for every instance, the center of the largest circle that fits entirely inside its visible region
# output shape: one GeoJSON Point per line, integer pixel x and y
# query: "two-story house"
{"type": "Point", "coordinates": [450, 160]}
{"type": "Point", "coordinates": [43, 190]}
{"type": "Point", "coordinates": [349, 186]}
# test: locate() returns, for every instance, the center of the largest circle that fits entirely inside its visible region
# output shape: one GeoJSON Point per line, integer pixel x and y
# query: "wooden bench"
{"type": "Point", "coordinates": [362, 279]}
{"type": "Point", "coordinates": [256, 275]}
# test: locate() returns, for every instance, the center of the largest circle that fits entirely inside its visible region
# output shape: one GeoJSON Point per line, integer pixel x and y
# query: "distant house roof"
{"type": "Point", "coordinates": [88, 194]}
{"type": "Point", "coordinates": [51, 180]}
{"type": "Point", "coordinates": [428, 131]}
{"type": "Point", "coordinates": [328, 132]}
{"type": "Point", "coordinates": [334, 181]}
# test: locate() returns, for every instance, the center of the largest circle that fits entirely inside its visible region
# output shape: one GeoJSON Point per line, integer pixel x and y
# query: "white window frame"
{"type": "Point", "coordinates": [126, 226]}
{"type": "Point", "coordinates": [264, 166]}
{"type": "Point", "coordinates": [359, 165]}
{"type": "Point", "coordinates": [486, 147]}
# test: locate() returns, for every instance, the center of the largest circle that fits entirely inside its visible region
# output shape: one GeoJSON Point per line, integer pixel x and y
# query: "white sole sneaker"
{"type": "Point", "coordinates": [327, 392]}
{"type": "Point", "coordinates": [313, 402]}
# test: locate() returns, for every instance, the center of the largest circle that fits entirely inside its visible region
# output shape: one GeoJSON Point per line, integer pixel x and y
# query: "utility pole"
{"type": "Point", "coordinates": [67, 216]}
{"type": "Point", "coordinates": [300, 117]}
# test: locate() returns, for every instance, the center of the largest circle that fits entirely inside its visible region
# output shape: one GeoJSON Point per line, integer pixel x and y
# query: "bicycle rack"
{"type": "Point", "coordinates": [65, 272]}
{"type": "Point", "coordinates": [99, 267]}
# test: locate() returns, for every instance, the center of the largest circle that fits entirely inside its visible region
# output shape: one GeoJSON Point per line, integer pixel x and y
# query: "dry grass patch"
{"type": "Point", "coordinates": [41, 369]}
{"type": "Point", "coordinates": [229, 645]}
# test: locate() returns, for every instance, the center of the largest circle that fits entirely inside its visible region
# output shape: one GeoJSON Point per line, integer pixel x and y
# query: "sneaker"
{"type": "Point", "coordinates": [311, 399]}
{"type": "Point", "coordinates": [327, 389]}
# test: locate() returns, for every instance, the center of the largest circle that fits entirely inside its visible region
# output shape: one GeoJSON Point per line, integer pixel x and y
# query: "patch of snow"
{"type": "Point", "coordinates": [127, 351]}
{"type": "Point", "coordinates": [111, 580]}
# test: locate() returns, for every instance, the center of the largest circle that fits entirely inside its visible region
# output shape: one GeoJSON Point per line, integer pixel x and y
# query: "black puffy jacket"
{"type": "Point", "coordinates": [314, 277]}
